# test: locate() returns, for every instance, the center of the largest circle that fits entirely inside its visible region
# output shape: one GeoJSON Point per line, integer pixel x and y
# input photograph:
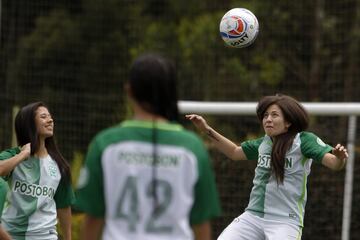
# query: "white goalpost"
{"type": "Point", "coordinates": [350, 109]}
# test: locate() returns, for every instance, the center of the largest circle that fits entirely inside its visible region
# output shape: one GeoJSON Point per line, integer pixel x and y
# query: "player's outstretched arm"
{"type": "Point", "coordinates": [336, 160]}
{"type": "Point", "coordinates": [6, 166]}
{"type": "Point", "coordinates": [224, 145]}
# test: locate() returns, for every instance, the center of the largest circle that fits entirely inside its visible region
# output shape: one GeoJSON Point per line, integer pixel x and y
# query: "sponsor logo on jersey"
{"type": "Point", "coordinates": [138, 158]}
{"type": "Point", "coordinates": [288, 163]}
{"type": "Point", "coordinates": [33, 190]}
{"type": "Point", "coordinates": [264, 161]}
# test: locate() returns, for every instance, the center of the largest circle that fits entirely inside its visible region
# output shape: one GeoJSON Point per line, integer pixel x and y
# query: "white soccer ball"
{"type": "Point", "coordinates": [239, 27]}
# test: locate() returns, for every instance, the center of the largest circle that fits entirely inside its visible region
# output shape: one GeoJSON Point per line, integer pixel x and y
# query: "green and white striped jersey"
{"type": "Point", "coordinates": [35, 192]}
{"type": "Point", "coordinates": [283, 202]}
{"type": "Point", "coordinates": [117, 179]}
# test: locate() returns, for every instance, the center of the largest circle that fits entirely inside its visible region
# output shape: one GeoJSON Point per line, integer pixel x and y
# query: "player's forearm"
{"type": "Point", "coordinates": [6, 166]}
{"type": "Point", "coordinates": [64, 215]}
{"type": "Point", "coordinates": [202, 231]}
{"type": "Point", "coordinates": [92, 228]}
{"type": "Point", "coordinates": [223, 144]}
{"type": "Point", "coordinates": [67, 234]}
{"type": "Point", "coordinates": [339, 163]}
{"type": "Point", "coordinates": [4, 235]}
{"type": "Point", "coordinates": [333, 162]}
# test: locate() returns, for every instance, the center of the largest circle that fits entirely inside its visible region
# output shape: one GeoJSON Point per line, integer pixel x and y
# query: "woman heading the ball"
{"type": "Point", "coordinates": [284, 157]}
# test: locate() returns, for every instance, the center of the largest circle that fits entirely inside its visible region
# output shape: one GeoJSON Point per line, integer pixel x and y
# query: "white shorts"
{"type": "Point", "coordinates": [250, 227]}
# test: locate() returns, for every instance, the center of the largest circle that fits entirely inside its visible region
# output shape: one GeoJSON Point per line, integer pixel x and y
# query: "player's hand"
{"type": "Point", "coordinates": [198, 121]}
{"type": "Point", "coordinates": [26, 150]}
{"type": "Point", "coordinates": [340, 152]}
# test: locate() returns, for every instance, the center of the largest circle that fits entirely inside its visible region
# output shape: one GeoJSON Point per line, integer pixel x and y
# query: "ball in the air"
{"type": "Point", "coordinates": [239, 27]}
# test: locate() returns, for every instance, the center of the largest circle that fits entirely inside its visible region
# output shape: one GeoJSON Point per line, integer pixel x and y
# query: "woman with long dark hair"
{"type": "Point", "coordinates": [148, 178]}
{"type": "Point", "coordinates": [40, 185]}
{"type": "Point", "coordinates": [284, 157]}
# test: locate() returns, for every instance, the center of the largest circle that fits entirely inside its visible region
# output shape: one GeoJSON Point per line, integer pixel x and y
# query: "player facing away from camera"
{"type": "Point", "coordinates": [40, 185]}
{"type": "Point", "coordinates": [148, 178]}
{"type": "Point", "coordinates": [284, 157]}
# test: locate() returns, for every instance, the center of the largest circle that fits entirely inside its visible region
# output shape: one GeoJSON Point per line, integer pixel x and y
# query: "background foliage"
{"type": "Point", "coordinates": [75, 55]}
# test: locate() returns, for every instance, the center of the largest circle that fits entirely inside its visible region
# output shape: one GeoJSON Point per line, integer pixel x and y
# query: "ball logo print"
{"type": "Point", "coordinates": [239, 27]}
{"type": "Point", "coordinates": [235, 26]}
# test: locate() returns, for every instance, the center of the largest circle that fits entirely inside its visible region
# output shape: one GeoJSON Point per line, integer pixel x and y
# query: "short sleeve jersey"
{"type": "Point", "coordinates": [119, 174]}
{"type": "Point", "coordinates": [3, 190]}
{"type": "Point", "coordinates": [35, 192]}
{"type": "Point", "coordinates": [283, 202]}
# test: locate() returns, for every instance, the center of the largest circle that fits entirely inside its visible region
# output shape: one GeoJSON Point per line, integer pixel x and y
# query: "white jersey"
{"type": "Point", "coordinates": [283, 202]}
{"type": "Point", "coordinates": [117, 181]}
{"type": "Point", "coordinates": [35, 192]}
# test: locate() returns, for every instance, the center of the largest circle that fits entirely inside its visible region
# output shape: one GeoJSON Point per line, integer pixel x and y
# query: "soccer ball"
{"type": "Point", "coordinates": [239, 27]}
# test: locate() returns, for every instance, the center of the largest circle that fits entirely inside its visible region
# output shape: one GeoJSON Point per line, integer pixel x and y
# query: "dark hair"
{"type": "Point", "coordinates": [296, 115]}
{"type": "Point", "coordinates": [152, 82]}
{"type": "Point", "coordinates": [153, 85]}
{"type": "Point", "coordinates": [26, 132]}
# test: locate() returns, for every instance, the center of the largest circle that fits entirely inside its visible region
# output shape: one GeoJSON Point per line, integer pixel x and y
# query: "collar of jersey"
{"type": "Point", "coordinates": [149, 124]}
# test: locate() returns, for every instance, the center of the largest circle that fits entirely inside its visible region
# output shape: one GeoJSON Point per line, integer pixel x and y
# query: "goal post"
{"type": "Point", "coordinates": [248, 108]}
{"type": "Point", "coordinates": [350, 109]}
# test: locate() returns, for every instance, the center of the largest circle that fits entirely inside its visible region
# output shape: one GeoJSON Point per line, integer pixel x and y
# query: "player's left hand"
{"type": "Point", "coordinates": [340, 152]}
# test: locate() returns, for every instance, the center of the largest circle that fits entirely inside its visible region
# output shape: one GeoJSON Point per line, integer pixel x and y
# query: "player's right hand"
{"type": "Point", "coordinates": [199, 122]}
{"type": "Point", "coordinates": [26, 150]}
